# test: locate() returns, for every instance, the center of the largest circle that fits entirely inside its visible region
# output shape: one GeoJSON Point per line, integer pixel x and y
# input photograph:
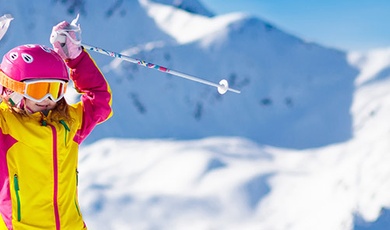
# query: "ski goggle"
{"type": "Point", "coordinates": [39, 90]}
{"type": "Point", "coordinates": [36, 90]}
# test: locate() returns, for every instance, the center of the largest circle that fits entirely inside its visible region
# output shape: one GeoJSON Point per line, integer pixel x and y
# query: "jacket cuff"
{"type": "Point", "coordinates": [72, 63]}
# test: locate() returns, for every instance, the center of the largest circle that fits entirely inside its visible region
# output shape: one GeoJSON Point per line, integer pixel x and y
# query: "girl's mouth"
{"type": "Point", "coordinates": [42, 106]}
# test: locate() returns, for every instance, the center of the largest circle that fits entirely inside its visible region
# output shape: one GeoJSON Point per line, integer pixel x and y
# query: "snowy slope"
{"type": "Point", "coordinates": [234, 183]}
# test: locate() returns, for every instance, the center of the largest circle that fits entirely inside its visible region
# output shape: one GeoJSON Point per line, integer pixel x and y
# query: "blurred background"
{"type": "Point", "coordinates": [346, 25]}
{"type": "Point", "coordinates": [303, 146]}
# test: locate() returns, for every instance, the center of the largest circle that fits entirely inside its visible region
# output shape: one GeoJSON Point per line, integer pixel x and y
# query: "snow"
{"type": "Point", "coordinates": [304, 146]}
{"type": "Point", "coordinates": [230, 183]}
{"type": "Point", "coordinates": [186, 27]}
{"type": "Point", "coordinates": [371, 64]}
{"type": "Point", "coordinates": [195, 7]}
{"type": "Point", "coordinates": [299, 81]}
{"type": "Point", "coordinates": [289, 94]}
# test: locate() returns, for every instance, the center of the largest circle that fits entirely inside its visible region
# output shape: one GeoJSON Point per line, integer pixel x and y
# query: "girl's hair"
{"type": "Point", "coordinates": [61, 112]}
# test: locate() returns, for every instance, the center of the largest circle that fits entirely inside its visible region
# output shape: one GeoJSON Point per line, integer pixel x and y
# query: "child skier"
{"type": "Point", "coordinates": [40, 133]}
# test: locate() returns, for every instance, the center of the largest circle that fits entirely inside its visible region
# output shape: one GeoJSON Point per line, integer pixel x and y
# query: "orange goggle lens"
{"type": "Point", "coordinates": [39, 90]}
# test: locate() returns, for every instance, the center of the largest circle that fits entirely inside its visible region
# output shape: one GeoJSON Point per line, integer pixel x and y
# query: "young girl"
{"type": "Point", "coordinates": [40, 133]}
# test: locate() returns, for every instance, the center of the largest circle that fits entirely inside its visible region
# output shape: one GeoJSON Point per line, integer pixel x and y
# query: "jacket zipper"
{"type": "Point", "coordinates": [55, 175]}
{"type": "Point", "coordinates": [75, 200]}
{"type": "Point", "coordinates": [16, 186]}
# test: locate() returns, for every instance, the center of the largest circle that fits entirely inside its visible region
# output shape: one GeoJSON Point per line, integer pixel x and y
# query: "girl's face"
{"type": "Point", "coordinates": [42, 106]}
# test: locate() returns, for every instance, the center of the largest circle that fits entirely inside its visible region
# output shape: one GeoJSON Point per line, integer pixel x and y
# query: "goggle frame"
{"type": "Point", "coordinates": [51, 86]}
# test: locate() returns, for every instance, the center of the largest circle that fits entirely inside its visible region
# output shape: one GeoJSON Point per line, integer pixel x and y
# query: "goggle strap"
{"type": "Point", "coordinates": [11, 84]}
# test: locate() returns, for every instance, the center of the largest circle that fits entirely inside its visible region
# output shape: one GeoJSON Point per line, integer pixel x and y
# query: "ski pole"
{"type": "Point", "coordinates": [4, 24]}
{"type": "Point", "coordinates": [222, 87]}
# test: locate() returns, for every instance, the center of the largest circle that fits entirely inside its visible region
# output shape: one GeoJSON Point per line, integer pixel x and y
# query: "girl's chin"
{"type": "Point", "coordinates": [43, 109]}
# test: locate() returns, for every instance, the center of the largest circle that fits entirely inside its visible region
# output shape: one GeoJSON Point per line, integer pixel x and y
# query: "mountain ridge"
{"type": "Point", "coordinates": [285, 81]}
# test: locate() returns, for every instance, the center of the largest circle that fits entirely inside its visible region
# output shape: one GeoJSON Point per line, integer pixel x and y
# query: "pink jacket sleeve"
{"type": "Point", "coordinates": [96, 93]}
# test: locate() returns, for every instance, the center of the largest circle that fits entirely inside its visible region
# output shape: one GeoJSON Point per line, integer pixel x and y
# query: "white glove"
{"type": "Point", "coordinates": [64, 40]}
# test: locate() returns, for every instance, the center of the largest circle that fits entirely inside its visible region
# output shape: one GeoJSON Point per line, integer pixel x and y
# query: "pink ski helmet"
{"type": "Point", "coordinates": [35, 61]}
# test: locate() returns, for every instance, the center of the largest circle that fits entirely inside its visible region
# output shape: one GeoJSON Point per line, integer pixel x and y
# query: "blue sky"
{"type": "Point", "coordinates": [352, 25]}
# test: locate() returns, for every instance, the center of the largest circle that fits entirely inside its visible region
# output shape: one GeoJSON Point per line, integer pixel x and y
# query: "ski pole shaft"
{"type": "Point", "coordinates": [222, 87]}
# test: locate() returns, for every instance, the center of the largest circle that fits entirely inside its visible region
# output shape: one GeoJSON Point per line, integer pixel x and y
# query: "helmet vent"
{"type": "Point", "coordinates": [46, 49]}
{"type": "Point", "coordinates": [27, 58]}
{"type": "Point", "coordinates": [13, 56]}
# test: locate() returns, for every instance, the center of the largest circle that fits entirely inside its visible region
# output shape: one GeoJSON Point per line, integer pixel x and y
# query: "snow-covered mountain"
{"type": "Point", "coordinates": [190, 6]}
{"type": "Point", "coordinates": [235, 183]}
{"type": "Point", "coordinates": [177, 155]}
{"type": "Point", "coordinates": [290, 96]}
{"type": "Point", "coordinates": [294, 93]}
